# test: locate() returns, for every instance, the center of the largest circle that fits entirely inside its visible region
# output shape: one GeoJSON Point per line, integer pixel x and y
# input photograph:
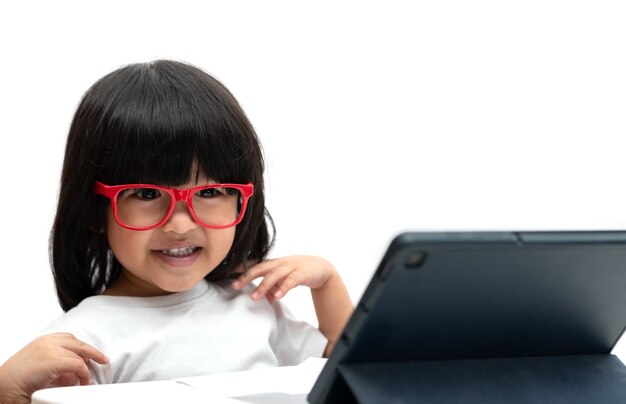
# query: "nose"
{"type": "Point", "coordinates": [181, 220]}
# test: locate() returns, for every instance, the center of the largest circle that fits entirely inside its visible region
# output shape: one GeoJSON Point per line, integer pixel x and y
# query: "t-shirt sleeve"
{"type": "Point", "coordinates": [74, 323]}
{"type": "Point", "coordinates": [294, 341]}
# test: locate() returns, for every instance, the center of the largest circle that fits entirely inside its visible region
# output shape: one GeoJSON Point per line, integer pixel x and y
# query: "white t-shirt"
{"type": "Point", "coordinates": [207, 329]}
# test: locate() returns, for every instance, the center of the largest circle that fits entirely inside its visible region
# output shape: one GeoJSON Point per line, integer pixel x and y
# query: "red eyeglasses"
{"type": "Point", "coordinates": [145, 206]}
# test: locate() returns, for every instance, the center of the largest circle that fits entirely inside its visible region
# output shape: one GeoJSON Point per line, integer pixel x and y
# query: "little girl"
{"type": "Point", "coordinates": [161, 227]}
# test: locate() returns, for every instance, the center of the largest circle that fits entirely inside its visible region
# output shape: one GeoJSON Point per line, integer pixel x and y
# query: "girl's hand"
{"type": "Point", "coordinates": [50, 360]}
{"type": "Point", "coordinates": [330, 297]}
{"type": "Point", "coordinates": [283, 274]}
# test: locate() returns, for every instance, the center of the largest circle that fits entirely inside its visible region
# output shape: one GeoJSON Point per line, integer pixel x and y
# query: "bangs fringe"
{"type": "Point", "coordinates": [164, 131]}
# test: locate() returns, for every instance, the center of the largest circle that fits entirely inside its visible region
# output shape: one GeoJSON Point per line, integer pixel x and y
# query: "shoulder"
{"type": "Point", "coordinates": [82, 321]}
{"type": "Point", "coordinates": [83, 309]}
{"type": "Point", "coordinates": [238, 299]}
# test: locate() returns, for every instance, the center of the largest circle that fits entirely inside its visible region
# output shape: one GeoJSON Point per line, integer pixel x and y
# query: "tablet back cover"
{"type": "Point", "coordinates": [438, 296]}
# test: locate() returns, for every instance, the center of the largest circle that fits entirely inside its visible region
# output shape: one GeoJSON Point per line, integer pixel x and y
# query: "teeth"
{"type": "Point", "coordinates": [179, 252]}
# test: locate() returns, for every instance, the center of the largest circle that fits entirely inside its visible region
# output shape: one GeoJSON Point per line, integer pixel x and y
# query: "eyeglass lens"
{"type": "Point", "coordinates": [145, 207]}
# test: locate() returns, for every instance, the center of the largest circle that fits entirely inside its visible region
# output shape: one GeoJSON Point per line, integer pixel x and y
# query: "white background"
{"type": "Point", "coordinates": [375, 117]}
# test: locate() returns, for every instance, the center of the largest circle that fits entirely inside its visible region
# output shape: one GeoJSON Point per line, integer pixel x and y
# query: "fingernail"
{"type": "Point", "coordinates": [279, 293]}
{"type": "Point", "coordinates": [235, 284]}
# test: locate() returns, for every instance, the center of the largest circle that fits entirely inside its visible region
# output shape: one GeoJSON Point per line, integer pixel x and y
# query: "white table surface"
{"type": "Point", "coordinates": [286, 384]}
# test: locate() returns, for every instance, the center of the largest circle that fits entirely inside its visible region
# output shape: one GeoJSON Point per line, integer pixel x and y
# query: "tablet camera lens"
{"type": "Point", "coordinates": [414, 259]}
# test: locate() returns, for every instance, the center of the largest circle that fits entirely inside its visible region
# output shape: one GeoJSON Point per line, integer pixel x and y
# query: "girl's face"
{"type": "Point", "coordinates": [171, 258]}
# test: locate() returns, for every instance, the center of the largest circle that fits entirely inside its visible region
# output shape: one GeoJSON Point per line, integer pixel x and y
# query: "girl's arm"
{"type": "Point", "coordinates": [50, 360]}
{"type": "Point", "coordinates": [333, 306]}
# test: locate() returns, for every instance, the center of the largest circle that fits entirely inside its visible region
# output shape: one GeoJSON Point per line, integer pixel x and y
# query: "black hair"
{"type": "Point", "coordinates": [152, 123]}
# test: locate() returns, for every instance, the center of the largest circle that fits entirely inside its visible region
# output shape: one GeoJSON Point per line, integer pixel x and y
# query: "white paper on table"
{"type": "Point", "coordinates": [289, 380]}
{"type": "Point", "coordinates": [159, 392]}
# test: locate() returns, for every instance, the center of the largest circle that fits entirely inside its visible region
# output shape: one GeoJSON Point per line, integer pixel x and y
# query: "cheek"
{"type": "Point", "coordinates": [125, 243]}
{"type": "Point", "coordinates": [220, 242]}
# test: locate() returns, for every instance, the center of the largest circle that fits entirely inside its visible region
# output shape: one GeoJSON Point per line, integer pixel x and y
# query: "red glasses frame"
{"type": "Point", "coordinates": [176, 195]}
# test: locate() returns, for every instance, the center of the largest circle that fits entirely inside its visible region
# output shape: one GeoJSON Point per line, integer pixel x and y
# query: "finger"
{"type": "Point", "coordinates": [269, 280]}
{"type": "Point", "coordinates": [85, 350]}
{"type": "Point", "coordinates": [255, 272]}
{"type": "Point", "coordinates": [66, 379]}
{"type": "Point", "coordinates": [290, 282]}
{"type": "Point", "coordinates": [73, 367]}
{"type": "Point", "coordinates": [83, 374]}
{"type": "Point", "coordinates": [266, 284]}
{"type": "Point", "coordinates": [241, 268]}
{"type": "Point", "coordinates": [270, 295]}
{"type": "Point", "coordinates": [85, 380]}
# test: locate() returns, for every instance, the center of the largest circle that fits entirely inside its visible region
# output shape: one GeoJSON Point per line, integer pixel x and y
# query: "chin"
{"type": "Point", "coordinates": [176, 287]}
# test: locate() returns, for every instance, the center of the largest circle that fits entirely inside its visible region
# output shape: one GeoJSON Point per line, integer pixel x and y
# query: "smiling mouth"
{"type": "Point", "coordinates": [180, 252]}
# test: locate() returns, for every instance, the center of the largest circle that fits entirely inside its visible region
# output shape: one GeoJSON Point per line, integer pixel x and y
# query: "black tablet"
{"type": "Point", "coordinates": [444, 307]}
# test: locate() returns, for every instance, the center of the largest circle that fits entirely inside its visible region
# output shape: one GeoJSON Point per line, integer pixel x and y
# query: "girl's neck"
{"type": "Point", "coordinates": [125, 286]}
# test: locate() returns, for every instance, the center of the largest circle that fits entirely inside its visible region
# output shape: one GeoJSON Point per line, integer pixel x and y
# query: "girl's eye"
{"type": "Point", "coordinates": [146, 194]}
{"type": "Point", "coordinates": [208, 193]}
